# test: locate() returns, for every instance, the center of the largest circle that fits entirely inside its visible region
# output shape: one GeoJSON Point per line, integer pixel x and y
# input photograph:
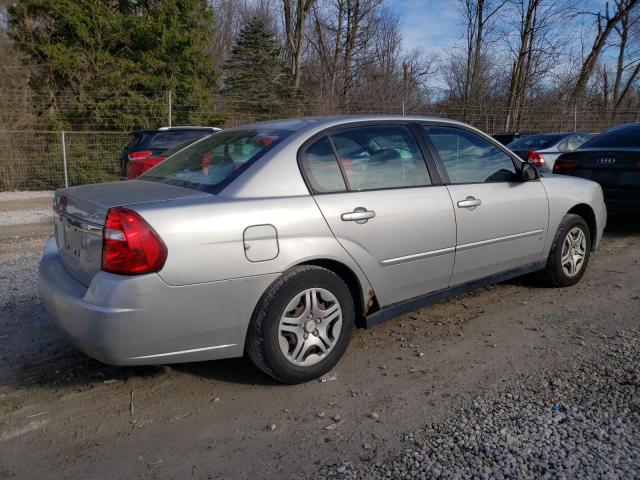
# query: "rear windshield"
{"type": "Point", "coordinates": [622, 137]}
{"type": "Point", "coordinates": [213, 163]}
{"type": "Point", "coordinates": [535, 142]}
{"type": "Point", "coordinates": [171, 138]}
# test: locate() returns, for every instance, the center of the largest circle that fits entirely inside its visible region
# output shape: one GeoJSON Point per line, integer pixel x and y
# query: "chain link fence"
{"type": "Point", "coordinates": [46, 160]}
{"type": "Point", "coordinates": [40, 160]}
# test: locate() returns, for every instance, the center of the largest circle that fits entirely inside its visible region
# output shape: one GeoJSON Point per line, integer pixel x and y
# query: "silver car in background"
{"type": "Point", "coordinates": [277, 238]}
{"type": "Point", "coordinates": [543, 149]}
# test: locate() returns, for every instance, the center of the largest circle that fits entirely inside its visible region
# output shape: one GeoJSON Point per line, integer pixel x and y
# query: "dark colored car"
{"type": "Point", "coordinates": [613, 160]}
{"type": "Point", "coordinates": [543, 149]}
{"type": "Point", "coordinates": [155, 142]}
{"type": "Point", "coordinates": [137, 166]}
{"type": "Point", "coordinates": [509, 137]}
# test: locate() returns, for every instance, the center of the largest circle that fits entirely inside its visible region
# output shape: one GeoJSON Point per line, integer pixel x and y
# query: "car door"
{"type": "Point", "coordinates": [501, 220]}
{"type": "Point", "coordinates": [384, 206]}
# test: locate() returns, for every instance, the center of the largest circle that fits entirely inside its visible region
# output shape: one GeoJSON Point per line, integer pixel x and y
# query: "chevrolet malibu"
{"type": "Point", "coordinates": [277, 238]}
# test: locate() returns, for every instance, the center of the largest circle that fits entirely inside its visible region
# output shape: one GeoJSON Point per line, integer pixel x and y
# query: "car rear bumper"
{"type": "Point", "coordinates": [140, 320]}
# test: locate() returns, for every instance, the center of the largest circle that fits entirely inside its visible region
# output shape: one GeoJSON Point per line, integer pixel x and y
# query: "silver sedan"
{"type": "Point", "coordinates": [277, 238]}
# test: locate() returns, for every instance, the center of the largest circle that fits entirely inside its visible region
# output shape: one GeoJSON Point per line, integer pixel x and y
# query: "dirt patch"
{"type": "Point", "coordinates": [71, 416]}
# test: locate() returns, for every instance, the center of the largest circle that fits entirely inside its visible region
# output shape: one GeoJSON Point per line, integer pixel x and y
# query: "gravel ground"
{"type": "Point", "coordinates": [25, 195]}
{"type": "Point", "coordinates": [578, 422]}
{"type": "Point", "coordinates": [24, 217]}
{"type": "Point", "coordinates": [25, 208]}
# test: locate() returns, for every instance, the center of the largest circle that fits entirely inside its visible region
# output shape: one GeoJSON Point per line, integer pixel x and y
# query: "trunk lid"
{"type": "Point", "coordinates": [80, 212]}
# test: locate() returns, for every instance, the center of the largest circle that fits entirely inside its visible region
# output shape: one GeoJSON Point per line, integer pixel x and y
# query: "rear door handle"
{"type": "Point", "coordinates": [359, 215]}
{"type": "Point", "coordinates": [470, 202]}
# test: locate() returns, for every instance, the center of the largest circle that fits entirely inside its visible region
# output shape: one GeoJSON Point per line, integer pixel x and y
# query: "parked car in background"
{"type": "Point", "coordinates": [154, 142]}
{"type": "Point", "coordinates": [613, 160]}
{"type": "Point", "coordinates": [276, 238]}
{"type": "Point", "coordinates": [543, 149]}
{"type": "Point", "coordinates": [505, 138]}
{"type": "Point", "coordinates": [137, 166]}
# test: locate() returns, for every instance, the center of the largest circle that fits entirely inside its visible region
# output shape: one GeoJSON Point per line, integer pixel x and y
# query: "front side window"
{"type": "Point", "coordinates": [380, 156]}
{"type": "Point", "coordinates": [214, 162]}
{"type": "Point", "coordinates": [469, 158]}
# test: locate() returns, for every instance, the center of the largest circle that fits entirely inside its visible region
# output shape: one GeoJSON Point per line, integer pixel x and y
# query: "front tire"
{"type": "Point", "coordinates": [570, 253]}
{"type": "Point", "coordinates": [302, 325]}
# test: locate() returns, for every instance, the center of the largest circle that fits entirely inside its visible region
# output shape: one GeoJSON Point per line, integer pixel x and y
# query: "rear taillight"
{"type": "Point", "coordinates": [139, 155]}
{"type": "Point", "coordinates": [536, 159]}
{"type": "Point", "coordinates": [563, 165]}
{"type": "Point", "coordinates": [129, 245]}
{"type": "Point", "coordinates": [137, 167]}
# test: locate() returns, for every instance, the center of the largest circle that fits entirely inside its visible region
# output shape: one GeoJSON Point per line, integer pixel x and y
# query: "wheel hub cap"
{"type": "Point", "coordinates": [574, 251]}
{"type": "Point", "coordinates": [310, 326]}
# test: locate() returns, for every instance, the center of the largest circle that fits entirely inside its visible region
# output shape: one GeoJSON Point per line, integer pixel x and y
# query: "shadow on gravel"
{"type": "Point", "coordinates": [38, 355]}
{"type": "Point", "coordinates": [234, 370]}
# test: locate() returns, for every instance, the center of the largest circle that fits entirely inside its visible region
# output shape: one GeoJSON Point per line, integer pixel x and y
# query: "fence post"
{"type": "Point", "coordinates": [575, 117]}
{"type": "Point", "coordinates": [64, 160]}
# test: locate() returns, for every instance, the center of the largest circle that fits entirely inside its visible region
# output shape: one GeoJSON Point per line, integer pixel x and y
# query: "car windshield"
{"type": "Point", "coordinates": [216, 161]}
{"type": "Point", "coordinates": [621, 137]}
{"type": "Point", "coordinates": [535, 142]}
{"type": "Point", "coordinates": [170, 138]}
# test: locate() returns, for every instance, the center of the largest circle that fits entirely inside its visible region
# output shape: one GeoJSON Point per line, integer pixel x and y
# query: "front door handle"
{"type": "Point", "coordinates": [359, 215]}
{"type": "Point", "coordinates": [470, 202]}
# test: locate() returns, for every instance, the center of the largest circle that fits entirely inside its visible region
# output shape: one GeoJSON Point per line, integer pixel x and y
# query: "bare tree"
{"type": "Point", "coordinates": [605, 24]}
{"type": "Point", "coordinates": [341, 36]}
{"type": "Point", "coordinates": [533, 32]}
{"type": "Point", "coordinates": [294, 28]}
{"type": "Point", "coordinates": [478, 16]}
{"type": "Point", "coordinates": [627, 70]}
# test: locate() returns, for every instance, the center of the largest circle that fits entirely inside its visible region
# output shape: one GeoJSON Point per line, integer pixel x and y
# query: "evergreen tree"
{"type": "Point", "coordinates": [109, 64]}
{"type": "Point", "coordinates": [257, 80]}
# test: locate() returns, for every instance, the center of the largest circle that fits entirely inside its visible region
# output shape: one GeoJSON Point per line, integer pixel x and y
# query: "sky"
{"type": "Point", "coordinates": [436, 25]}
{"type": "Point", "coordinates": [433, 25]}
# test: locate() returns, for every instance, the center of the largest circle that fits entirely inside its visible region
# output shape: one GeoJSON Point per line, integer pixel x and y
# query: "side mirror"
{"type": "Point", "coordinates": [528, 172]}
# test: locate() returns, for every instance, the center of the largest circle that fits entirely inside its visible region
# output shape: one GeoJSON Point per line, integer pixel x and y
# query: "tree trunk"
{"type": "Point", "coordinates": [294, 31]}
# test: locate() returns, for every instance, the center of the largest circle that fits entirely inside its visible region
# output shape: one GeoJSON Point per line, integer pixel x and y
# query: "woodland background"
{"type": "Point", "coordinates": [104, 66]}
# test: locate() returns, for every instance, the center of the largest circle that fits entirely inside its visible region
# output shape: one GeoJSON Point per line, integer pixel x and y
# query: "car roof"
{"type": "Point", "coordinates": [304, 123]}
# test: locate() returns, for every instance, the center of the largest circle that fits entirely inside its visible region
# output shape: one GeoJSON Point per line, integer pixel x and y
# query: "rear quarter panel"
{"type": "Point", "coordinates": [204, 237]}
{"type": "Point", "coordinates": [566, 192]}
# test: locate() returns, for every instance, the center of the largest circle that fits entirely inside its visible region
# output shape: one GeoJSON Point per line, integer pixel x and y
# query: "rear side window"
{"type": "Point", "coordinates": [371, 157]}
{"type": "Point", "coordinates": [135, 140]}
{"type": "Point", "coordinates": [379, 157]}
{"type": "Point", "coordinates": [214, 162]}
{"type": "Point", "coordinates": [621, 137]}
{"type": "Point", "coordinates": [469, 158]}
{"type": "Point", "coordinates": [321, 169]}
{"type": "Point", "coordinates": [170, 138]}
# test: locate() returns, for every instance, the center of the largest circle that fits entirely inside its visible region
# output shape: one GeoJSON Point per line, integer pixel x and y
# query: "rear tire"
{"type": "Point", "coordinates": [570, 253]}
{"type": "Point", "coordinates": [302, 325]}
